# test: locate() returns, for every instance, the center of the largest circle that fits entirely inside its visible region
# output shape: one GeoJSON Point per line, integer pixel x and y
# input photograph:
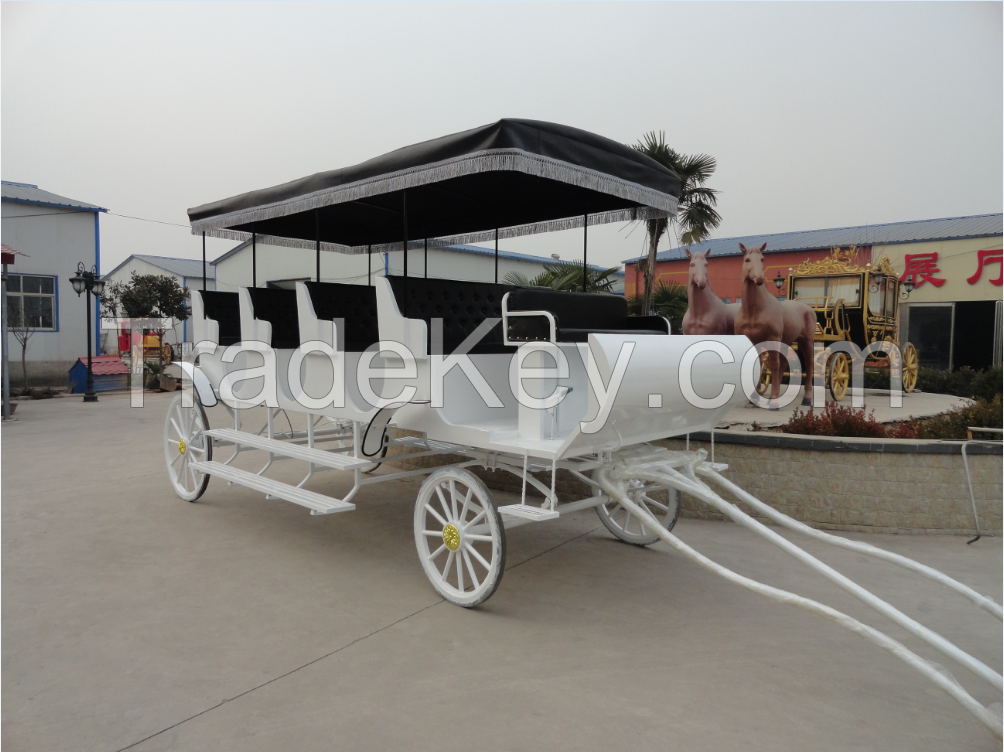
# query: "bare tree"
{"type": "Point", "coordinates": [21, 327]}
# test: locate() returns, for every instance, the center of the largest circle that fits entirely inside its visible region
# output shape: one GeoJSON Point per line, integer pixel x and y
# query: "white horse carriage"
{"type": "Point", "coordinates": [438, 357]}
{"type": "Point", "coordinates": [518, 380]}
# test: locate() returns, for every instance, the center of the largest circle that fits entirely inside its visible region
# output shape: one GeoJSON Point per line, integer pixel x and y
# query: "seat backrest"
{"type": "Point", "coordinates": [223, 308]}
{"type": "Point", "coordinates": [356, 304]}
{"type": "Point", "coordinates": [277, 307]}
{"type": "Point", "coordinates": [579, 310]}
{"type": "Point", "coordinates": [462, 306]}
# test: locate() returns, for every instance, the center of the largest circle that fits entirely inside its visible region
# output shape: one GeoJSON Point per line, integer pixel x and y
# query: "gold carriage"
{"type": "Point", "coordinates": [853, 303]}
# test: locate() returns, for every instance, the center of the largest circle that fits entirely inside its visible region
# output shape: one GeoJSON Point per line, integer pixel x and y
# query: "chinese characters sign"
{"type": "Point", "coordinates": [922, 268]}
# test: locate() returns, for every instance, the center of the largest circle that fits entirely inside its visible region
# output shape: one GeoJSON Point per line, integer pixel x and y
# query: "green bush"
{"type": "Point", "coordinates": [952, 424]}
{"type": "Point", "coordinates": [962, 382]}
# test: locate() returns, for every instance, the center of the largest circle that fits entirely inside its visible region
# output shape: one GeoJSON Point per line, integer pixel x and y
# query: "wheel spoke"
{"type": "Point", "coordinates": [176, 458]}
{"type": "Point", "coordinates": [442, 500]}
{"type": "Point", "coordinates": [460, 575]}
{"type": "Point", "coordinates": [476, 555]}
{"type": "Point", "coordinates": [477, 519]}
{"type": "Point", "coordinates": [471, 536]}
{"type": "Point", "coordinates": [467, 504]}
{"type": "Point", "coordinates": [434, 513]}
{"type": "Point", "coordinates": [470, 570]}
{"type": "Point", "coordinates": [453, 498]}
{"type": "Point", "coordinates": [177, 429]}
{"type": "Point", "coordinates": [446, 570]}
{"type": "Point", "coordinates": [432, 533]}
{"type": "Point", "coordinates": [436, 553]}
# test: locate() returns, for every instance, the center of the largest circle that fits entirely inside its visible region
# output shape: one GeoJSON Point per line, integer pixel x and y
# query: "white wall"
{"type": "Point", "coordinates": [182, 332]}
{"type": "Point", "coordinates": [54, 243]}
{"type": "Point", "coordinates": [277, 263]}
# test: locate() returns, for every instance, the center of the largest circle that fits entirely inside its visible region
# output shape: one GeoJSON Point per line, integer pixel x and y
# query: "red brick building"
{"type": "Point", "coordinates": [953, 316]}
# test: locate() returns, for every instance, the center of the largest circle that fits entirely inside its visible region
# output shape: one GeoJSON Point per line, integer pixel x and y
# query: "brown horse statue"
{"type": "Point", "coordinates": [764, 318]}
{"type": "Point", "coordinates": [706, 313]}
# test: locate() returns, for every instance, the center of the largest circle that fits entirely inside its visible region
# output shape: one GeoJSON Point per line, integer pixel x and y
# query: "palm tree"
{"type": "Point", "coordinates": [566, 275]}
{"type": "Point", "coordinates": [696, 215]}
{"type": "Point", "coordinates": [669, 300]}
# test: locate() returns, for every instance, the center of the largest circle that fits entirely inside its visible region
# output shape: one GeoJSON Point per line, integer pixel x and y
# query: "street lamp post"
{"type": "Point", "coordinates": [90, 282]}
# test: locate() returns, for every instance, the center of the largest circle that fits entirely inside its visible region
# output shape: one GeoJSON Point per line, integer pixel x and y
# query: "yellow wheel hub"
{"type": "Point", "coordinates": [181, 446]}
{"type": "Point", "coordinates": [451, 537]}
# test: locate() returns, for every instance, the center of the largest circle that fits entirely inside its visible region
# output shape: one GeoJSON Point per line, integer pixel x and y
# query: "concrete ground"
{"type": "Point", "coordinates": [915, 405]}
{"type": "Point", "coordinates": [134, 620]}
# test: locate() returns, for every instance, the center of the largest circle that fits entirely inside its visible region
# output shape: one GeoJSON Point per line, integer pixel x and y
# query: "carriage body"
{"type": "Point", "coordinates": [347, 373]}
{"type": "Point", "coordinates": [857, 305]}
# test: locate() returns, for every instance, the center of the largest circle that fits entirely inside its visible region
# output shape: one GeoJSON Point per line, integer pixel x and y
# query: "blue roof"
{"type": "Point", "coordinates": [26, 193]}
{"type": "Point", "coordinates": [457, 248]}
{"type": "Point", "coordinates": [180, 267]}
{"type": "Point", "coordinates": [919, 231]}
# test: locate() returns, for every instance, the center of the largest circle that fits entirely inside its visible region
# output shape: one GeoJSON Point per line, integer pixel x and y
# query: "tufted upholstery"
{"type": "Point", "coordinates": [354, 303]}
{"type": "Point", "coordinates": [578, 314]}
{"type": "Point", "coordinates": [461, 305]}
{"type": "Point", "coordinates": [224, 308]}
{"type": "Point", "coordinates": [278, 307]}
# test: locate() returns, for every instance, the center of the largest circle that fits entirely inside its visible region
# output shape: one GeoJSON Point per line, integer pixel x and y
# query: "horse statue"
{"type": "Point", "coordinates": [706, 313]}
{"type": "Point", "coordinates": [764, 318]}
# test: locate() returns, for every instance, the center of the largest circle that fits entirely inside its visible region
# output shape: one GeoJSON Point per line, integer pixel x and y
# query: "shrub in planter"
{"type": "Point", "coordinates": [835, 420]}
{"type": "Point", "coordinates": [953, 424]}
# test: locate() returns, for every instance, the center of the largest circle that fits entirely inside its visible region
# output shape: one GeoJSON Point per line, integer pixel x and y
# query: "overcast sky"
{"type": "Point", "coordinates": [820, 115]}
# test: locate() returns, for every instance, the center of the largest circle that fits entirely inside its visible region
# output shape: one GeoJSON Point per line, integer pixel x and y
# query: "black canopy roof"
{"type": "Point", "coordinates": [515, 176]}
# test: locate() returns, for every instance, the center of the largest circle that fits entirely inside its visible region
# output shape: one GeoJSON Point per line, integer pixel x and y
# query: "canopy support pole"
{"type": "Point", "coordinates": [317, 240]}
{"type": "Point", "coordinates": [254, 259]}
{"type": "Point", "coordinates": [203, 261]}
{"type": "Point", "coordinates": [585, 243]}
{"type": "Point", "coordinates": [404, 217]}
{"type": "Point", "coordinates": [496, 256]}
{"type": "Point", "coordinates": [426, 258]}
{"type": "Point", "coordinates": [369, 266]}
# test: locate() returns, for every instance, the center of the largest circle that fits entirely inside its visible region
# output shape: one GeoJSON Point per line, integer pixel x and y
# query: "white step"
{"type": "Point", "coordinates": [317, 503]}
{"type": "Point", "coordinates": [338, 461]}
{"type": "Point", "coordinates": [527, 512]}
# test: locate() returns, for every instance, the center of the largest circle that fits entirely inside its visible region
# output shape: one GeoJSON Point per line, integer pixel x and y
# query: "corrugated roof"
{"type": "Point", "coordinates": [949, 228]}
{"type": "Point", "coordinates": [458, 248]}
{"type": "Point", "coordinates": [104, 365]}
{"type": "Point", "coordinates": [181, 267]}
{"type": "Point", "coordinates": [26, 193]}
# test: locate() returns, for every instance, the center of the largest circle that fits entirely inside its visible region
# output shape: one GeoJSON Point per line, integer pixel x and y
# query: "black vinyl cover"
{"type": "Point", "coordinates": [453, 186]}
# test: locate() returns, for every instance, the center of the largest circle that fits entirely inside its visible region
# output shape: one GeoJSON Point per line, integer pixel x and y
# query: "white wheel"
{"type": "Point", "coordinates": [459, 537]}
{"type": "Point", "coordinates": [629, 528]}
{"type": "Point", "coordinates": [185, 443]}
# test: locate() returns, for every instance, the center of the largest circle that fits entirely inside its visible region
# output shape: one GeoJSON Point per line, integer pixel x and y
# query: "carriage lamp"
{"type": "Point", "coordinates": [90, 282]}
{"type": "Point", "coordinates": [907, 288]}
{"type": "Point", "coordinates": [779, 281]}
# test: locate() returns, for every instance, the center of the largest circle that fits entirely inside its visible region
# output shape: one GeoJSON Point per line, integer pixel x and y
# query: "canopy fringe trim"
{"type": "Point", "coordinates": [515, 160]}
{"type": "Point", "coordinates": [569, 223]}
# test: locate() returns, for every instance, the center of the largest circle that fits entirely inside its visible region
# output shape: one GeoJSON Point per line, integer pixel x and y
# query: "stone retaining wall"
{"type": "Point", "coordinates": [872, 485]}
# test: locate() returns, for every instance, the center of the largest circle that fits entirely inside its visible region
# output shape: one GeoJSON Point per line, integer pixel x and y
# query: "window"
{"type": "Point", "coordinates": [814, 290]}
{"type": "Point", "coordinates": [31, 300]}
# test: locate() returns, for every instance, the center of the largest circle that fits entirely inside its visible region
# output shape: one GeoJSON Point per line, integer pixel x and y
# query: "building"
{"type": "Point", "coordinates": [953, 315]}
{"type": "Point", "coordinates": [188, 272]}
{"type": "Point", "coordinates": [276, 266]}
{"type": "Point", "coordinates": [54, 233]}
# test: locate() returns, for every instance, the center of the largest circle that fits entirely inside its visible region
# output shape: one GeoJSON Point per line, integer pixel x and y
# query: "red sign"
{"type": "Point", "coordinates": [983, 259]}
{"type": "Point", "coordinates": [922, 267]}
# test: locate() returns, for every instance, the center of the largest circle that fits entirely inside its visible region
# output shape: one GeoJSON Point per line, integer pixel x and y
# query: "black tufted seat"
{"type": "Point", "coordinates": [577, 315]}
{"type": "Point", "coordinates": [223, 308]}
{"type": "Point", "coordinates": [355, 304]}
{"type": "Point", "coordinates": [461, 305]}
{"type": "Point", "coordinates": [278, 307]}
